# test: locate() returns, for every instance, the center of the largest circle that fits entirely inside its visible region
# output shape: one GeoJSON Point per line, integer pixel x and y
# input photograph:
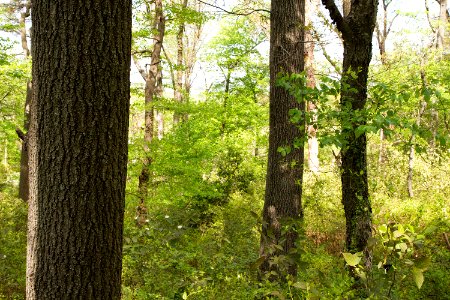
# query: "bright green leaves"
{"type": "Point", "coordinates": [395, 246]}
{"type": "Point", "coordinates": [352, 259]}
{"type": "Point", "coordinates": [418, 277]}
{"type": "Point", "coordinates": [420, 266]}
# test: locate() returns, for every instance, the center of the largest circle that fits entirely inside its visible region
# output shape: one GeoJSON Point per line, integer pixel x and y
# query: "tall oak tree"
{"type": "Point", "coordinates": [284, 173]}
{"type": "Point", "coordinates": [356, 26]}
{"type": "Point", "coordinates": [78, 148]}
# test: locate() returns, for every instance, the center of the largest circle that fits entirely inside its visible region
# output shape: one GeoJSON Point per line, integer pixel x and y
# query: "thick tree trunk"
{"type": "Point", "coordinates": [78, 151]}
{"type": "Point", "coordinates": [357, 29]}
{"type": "Point", "coordinates": [284, 174]}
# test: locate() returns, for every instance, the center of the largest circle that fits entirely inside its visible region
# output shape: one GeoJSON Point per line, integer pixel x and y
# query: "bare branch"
{"type": "Point", "coordinates": [427, 11]}
{"type": "Point", "coordinates": [21, 135]}
{"type": "Point", "coordinates": [390, 25]}
{"type": "Point", "coordinates": [233, 12]}
{"type": "Point", "coordinates": [337, 18]}
{"type": "Point", "coordinates": [325, 53]}
{"type": "Point", "coordinates": [141, 70]}
{"type": "Point", "coordinates": [6, 95]}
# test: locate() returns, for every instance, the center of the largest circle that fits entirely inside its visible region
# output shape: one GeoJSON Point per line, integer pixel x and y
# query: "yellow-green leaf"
{"type": "Point", "coordinates": [418, 277]}
{"type": "Point", "coordinates": [351, 259]}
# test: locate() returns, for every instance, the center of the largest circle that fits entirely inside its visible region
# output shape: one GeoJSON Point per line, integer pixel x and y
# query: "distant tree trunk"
{"type": "Point", "coordinates": [24, 168]}
{"type": "Point", "coordinates": [180, 65]}
{"type": "Point", "coordinates": [192, 48]}
{"type": "Point", "coordinates": [24, 178]}
{"type": "Point", "coordinates": [313, 144]}
{"type": "Point", "coordinates": [284, 174]}
{"type": "Point", "coordinates": [159, 113]}
{"type": "Point", "coordinates": [23, 29]}
{"type": "Point", "coordinates": [151, 82]}
{"type": "Point", "coordinates": [442, 24]}
{"type": "Point", "coordinates": [383, 28]}
{"type": "Point", "coordinates": [225, 102]}
{"type": "Point", "coordinates": [357, 29]}
{"type": "Point", "coordinates": [78, 148]}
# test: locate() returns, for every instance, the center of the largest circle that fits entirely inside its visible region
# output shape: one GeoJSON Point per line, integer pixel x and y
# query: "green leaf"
{"type": "Point", "coordinates": [255, 265]}
{"type": "Point", "coordinates": [402, 247]}
{"type": "Point", "coordinates": [301, 285]}
{"type": "Point", "coordinates": [278, 294]}
{"type": "Point", "coordinates": [382, 228]}
{"type": "Point", "coordinates": [418, 277]}
{"type": "Point", "coordinates": [422, 263]}
{"type": "Point", "coordinates": [352, 259]}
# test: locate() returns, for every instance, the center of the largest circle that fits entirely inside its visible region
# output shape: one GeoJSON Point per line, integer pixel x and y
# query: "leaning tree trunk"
{"type": "Point", "coordinates": [78, 152]}
{"type": "Point", "coordinates": [284, 174]}
{"type": "Point", "coordinates": [357, 26]}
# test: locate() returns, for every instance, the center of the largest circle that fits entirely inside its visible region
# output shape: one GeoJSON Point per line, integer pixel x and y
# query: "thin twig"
{"type": "Point", "coordinates": [235, 13]}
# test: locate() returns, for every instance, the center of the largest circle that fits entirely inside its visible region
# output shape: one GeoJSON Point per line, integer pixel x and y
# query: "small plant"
{"type": "Point", "coordinates": [395, 247]}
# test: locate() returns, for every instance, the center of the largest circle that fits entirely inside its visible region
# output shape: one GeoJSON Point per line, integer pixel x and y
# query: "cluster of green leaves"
{"type": "Point", "coordinates": [395, 247]}
{"type": "Point", "coordinates": [395, 96]}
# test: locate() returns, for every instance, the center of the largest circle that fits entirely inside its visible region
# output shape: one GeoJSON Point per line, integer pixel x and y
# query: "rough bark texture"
{"type": "Point", "coordinates": [78, 154]}
{"type": "Point", "coordinates": [284, 174]}
{"type": "Point", "coordinates": [357, 29]}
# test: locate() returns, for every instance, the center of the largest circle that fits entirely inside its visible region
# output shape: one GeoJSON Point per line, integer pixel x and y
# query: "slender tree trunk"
{"type": "Point", "coordinates": [442, 24]}
{"type": "Point", "coordinates": [24, 178]}
{"type": "Point", "coordinates": [180, 65]}
{"type": "Point", "coordinates": [78, 148]}
{"type": "Point", "coordinates": [23, 29]}
{"type": "Point", "coordinates": [357, 28]}
{"type": "Point", "coordinates": [159, 113]}
{"type": "Point", "coordinates": [24, 168]}
{"type": "Point", "coordinates": [150, 90]}
{"type": "Point", "coordinates": [284, 174]}
{"type": "Point", "coordinates": [313, 144]}
{"type": "Point", "coordinates": [383, 29]}
{"type": "Point", "coordinates": [192, 49]}
{"type": "Point", "coordinates": [225, 102]}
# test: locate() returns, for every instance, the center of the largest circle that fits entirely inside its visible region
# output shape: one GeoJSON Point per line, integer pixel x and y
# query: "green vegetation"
{"type": "Point", "coordinates": [199, 235]}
